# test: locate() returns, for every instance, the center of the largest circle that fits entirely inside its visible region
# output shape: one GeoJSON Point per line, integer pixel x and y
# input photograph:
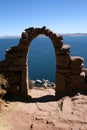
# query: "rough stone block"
{"type": "Point", "coordinates": [76, 71]}
{"type": "Point", "coordinates": [8, 56]}
{"type": "Point", "coordinates": [29, 29]}
{"type": "Point", "coordinates": [85, 71]}
{"type": "Point", "coordinates": [60, 85]}
{"type": "Point", "coordinates": [21, 54]}
{"type": "Point", "coordinates": [12, 90]}
{"type": "Point", "coordinates": [76, 66]}
{"type": "Point", "coordinates": [23, 46]}
{"type": "Point", "coordinates": [82, 88]}
{"type": "Point", "coordinates": [64, 71]}
{"type": "Point", "coordinates": [60, 67]}
{"type": "Point", "coordinates": [15, 68]}
{"type": "Point", "coordinates": [57, 44]}
{"type": "Point", "coordinates": [77, 79]}
{"type": "Point", "coordinates": [63, 50]}
{"type": "Point", "coordinates": [24, 35]}
{"type": "Point", "coordinates": [47, 32]}
{"type": "Point", "coordinates": [54, 36]}
{"type": "Point", "coordinates": [9, 61]}
{"type": "Point", "coordinates": [25, 41]}
{"type": "Point", "coordinates": [63, 59]}
{"type": "Point", "coordinates": [76, 61]}
{"type": "Point", "coordinates": [19, 61]}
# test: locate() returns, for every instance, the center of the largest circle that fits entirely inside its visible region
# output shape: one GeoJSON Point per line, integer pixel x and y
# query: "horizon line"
{"type": "Point", "coordinates": [15, 36]}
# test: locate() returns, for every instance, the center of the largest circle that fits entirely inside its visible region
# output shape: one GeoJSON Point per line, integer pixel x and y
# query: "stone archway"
{"type": "Point", "coordinates": [60, 50]}
{"type": "Point", "coordinates": [69, 69]}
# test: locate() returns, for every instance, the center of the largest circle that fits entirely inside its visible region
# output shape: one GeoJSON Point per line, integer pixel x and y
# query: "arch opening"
{"type": "Point", "coordinates": [42, 60]}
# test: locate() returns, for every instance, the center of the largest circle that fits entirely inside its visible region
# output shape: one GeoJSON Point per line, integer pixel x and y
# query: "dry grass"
{"type": "Point", "coordinates": [1, 103]}
{"type": "Point", "coordinates": [3, 81]}
{"type": "Point", "coordinates": [3, 85]}
{"type": "Point", "coordinates": [2, 93]}
{"type": "Point", "coordinates": [31, 86]}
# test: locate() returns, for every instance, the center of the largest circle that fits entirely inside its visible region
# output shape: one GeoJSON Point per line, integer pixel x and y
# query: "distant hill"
{"type": "Point", "coordinates": [67, 34]}
{"type": "Point", "coordinates": [16, 36]}
{"type": "Point", "coordinates": [74, 34]}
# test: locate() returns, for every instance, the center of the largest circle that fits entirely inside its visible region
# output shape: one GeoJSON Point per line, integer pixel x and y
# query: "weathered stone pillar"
{"type": "Point", "coordinates": [60, 86]}
{"type": "Point", "coordinates": [24, 82]}
{"type": "Point", "coordinates": [62, 68]}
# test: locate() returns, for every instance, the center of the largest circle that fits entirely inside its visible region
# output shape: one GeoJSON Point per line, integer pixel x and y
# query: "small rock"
{"type": "Point", "coordinates": [45, 85]}
{"type": "Point", "coordinates": [50, 122]}
{"type": "Point", "coordinates": [7, 102]}
{"type": "Point", "coordinates": [31, 126]}
{"type": "Point", "coordinates": [6, 105]}
{"type": "Point", "coordinates": [38, 83]}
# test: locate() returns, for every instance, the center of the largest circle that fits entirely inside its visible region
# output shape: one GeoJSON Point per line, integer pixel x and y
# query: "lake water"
{"type": "Point", "coordinates": [41, 54]}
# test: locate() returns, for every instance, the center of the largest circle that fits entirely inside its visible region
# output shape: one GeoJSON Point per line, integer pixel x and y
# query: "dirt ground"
{"type": "Point", "coordinates": [43, 112]}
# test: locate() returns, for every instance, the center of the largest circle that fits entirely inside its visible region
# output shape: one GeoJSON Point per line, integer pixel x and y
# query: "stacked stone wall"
{"type": "Point", "coordinates": [70, 74]}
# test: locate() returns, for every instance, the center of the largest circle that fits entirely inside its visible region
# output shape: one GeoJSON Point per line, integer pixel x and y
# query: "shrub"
{"type": "Point", "coordinates": [2, 93]}
{"type": "Point", "coordinates": [3, 81]}
{"type": "Point", "coordinates": [3, 85]}
{"type": "Point", "coordinates": [31, 86]}
{"type": "Point", "coordinates": [1, 103]}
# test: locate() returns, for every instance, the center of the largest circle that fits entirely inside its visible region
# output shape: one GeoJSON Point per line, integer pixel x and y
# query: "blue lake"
{"type": "Point", "coordinates": [41, 54]}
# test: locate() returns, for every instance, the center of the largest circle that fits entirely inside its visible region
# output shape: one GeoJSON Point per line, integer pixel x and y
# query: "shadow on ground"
{"type": "Point", "coordinates": [29, 99]}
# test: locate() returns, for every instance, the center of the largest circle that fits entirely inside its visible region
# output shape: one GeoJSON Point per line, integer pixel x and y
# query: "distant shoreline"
{"type": "Point", "coordinates": [41, 36]}
{"type": "Point", "coordinates": [75, 34]}
{"type": "Point", "coordinates": [1, 37]}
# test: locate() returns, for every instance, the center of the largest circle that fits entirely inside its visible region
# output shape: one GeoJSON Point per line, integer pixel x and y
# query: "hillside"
{"type": "Point", "coordinates": [43, 112]}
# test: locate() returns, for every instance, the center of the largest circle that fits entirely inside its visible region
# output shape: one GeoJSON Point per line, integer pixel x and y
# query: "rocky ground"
{"type": "Point", "coordinates": [43, 112]}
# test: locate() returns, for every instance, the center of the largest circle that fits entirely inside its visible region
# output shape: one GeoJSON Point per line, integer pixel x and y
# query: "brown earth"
{"type": "Point", "coordinates": [43, 112]}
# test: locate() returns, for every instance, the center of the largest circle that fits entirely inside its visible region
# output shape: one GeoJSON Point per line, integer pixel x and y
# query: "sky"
{"type": "Point", "coordinates": [61, 16]}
